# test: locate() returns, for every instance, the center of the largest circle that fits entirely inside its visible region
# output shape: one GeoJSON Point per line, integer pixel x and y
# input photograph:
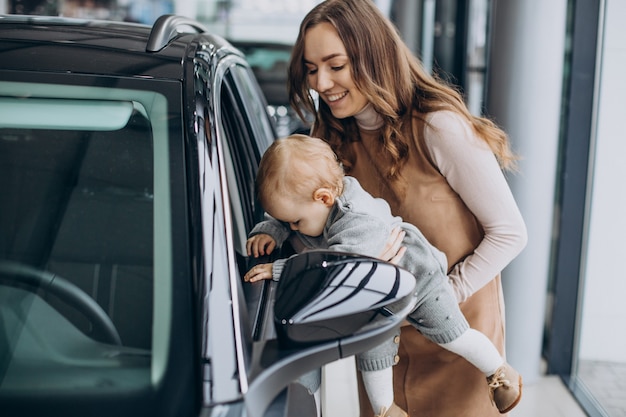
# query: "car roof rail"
{"type": "Point", "coordinates": [167, 27]}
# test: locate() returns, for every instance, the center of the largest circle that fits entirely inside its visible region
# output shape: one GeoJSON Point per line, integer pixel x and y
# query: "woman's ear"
{"type": "Point", "coordinates": [324, 195]}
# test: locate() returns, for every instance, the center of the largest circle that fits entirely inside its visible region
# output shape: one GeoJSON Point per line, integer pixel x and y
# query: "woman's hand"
{"type": "Point", "coordinates": [259, 245]}
{"type": "Point", "coordinates": [393, 250]}
{"type": "Point", "coordinates": [259, 272]}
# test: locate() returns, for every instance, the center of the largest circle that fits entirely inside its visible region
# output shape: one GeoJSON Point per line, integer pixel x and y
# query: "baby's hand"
{"type": "Point", "coordinates": [259, 272]}
{"type": "Point", "coordinates": [259, 245]}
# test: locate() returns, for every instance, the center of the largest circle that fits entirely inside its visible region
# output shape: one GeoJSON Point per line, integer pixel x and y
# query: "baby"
{"type": "Point", "coordinates": [303, 189]}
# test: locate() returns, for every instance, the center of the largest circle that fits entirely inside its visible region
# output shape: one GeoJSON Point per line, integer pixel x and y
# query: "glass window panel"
{"type": "Point", "coordinates": [601, 355]}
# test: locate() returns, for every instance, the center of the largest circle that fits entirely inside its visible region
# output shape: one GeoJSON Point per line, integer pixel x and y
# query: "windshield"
{"type": "Point", "coordinates": [84, 239]}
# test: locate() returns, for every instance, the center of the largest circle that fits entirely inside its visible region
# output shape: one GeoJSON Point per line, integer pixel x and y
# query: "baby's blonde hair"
{"type": "Point", "coordinates": [298, 165]}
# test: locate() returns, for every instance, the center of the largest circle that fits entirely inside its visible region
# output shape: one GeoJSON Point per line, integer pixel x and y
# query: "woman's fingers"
{"type": "Point", "coordinates": [393, 249]}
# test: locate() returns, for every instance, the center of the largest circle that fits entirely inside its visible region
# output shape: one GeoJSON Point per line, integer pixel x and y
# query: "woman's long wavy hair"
{"type": "Point", "coordinates": [391, 78]}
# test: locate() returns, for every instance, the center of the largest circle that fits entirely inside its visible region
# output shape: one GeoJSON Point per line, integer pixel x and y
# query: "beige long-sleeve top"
{"type": "Point", "coordinates": [473, 173]}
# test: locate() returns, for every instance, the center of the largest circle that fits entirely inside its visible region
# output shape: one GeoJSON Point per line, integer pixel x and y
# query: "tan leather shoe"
{"type": "Point", "coordinates": [505, 387]}
{"type": "Point", "coordinates": [393, 411]}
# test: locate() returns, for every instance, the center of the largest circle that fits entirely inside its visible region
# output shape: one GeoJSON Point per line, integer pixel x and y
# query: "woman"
{"type": "Point", "coordinates": [409, 138]}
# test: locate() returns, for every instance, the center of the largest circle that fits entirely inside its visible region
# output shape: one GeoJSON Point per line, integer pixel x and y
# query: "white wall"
{"type": "Point", "coordinates": [525, 98]}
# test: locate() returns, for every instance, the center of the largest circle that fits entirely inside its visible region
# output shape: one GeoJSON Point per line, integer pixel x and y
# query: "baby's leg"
{"type": "Point", "coordinates": [439, 318]}
{"type": "Point", "coordinates": [505, 383]}
{"type": "Point", "coordinates": [377, 372]}
{"type": "Point", "coordinates": [477, 349]}
{"type": "Point", "coordinates": [379, 388]}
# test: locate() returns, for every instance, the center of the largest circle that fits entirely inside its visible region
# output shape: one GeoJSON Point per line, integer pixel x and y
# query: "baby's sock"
{"type": "Point", "coordinates": [379, 388]}
{"type": "Point", "coordinates": [478, 350]}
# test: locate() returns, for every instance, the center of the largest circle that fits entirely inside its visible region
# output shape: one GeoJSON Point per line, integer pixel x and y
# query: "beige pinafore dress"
{"type": "Point", "coordinates": [428, 380]}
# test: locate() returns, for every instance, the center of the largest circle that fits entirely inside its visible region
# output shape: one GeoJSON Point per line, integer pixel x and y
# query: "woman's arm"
{"type": "Point", "coordinates": [473, 172]}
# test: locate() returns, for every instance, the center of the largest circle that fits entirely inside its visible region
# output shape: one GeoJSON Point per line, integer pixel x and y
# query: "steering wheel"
{"type": "Point", "coordinates": [33, 279]}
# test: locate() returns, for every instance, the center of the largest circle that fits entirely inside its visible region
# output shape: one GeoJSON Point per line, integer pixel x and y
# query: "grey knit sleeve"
{"type": "Point", "coordinates": [277, 269]}
{"type": "Point", "coordinates": [277, 230]}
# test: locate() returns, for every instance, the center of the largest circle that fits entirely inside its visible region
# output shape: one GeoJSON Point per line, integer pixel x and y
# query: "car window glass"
{"type": "Point", "coordinates": [243, 144]}
{"type": "Point", "coordinates": [86, 236]}
{"type": "Point", "coordinates": [247, 132]}
{"type": "Point", "coordinates": [250, 99]}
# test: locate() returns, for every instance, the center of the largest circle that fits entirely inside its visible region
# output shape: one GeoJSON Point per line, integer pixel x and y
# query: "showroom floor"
{"type": "Point", "coordinates": [547, 397]}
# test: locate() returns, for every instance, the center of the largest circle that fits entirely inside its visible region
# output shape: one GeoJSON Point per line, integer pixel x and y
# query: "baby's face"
{"type": "Point", "coordinates": [308, 216]}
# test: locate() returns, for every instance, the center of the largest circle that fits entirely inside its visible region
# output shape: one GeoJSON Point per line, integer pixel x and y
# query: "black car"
{"type": "Point", "coordinates": [127, 163]}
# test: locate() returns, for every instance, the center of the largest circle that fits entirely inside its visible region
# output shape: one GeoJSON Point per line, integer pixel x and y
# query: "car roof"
{"type": "Point", "coordinates": [56, 44]}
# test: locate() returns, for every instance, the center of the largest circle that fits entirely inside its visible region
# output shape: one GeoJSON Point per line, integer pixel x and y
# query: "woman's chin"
{"type": "Point", "coordinates": [339, 114]}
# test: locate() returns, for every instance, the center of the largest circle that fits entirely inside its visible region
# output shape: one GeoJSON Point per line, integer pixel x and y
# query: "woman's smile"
{"type": "Point", "coordinates": [334, 97]}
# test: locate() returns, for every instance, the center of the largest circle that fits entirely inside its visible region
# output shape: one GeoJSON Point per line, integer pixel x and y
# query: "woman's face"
{"type": "Point", "coordinates": [329, 72]}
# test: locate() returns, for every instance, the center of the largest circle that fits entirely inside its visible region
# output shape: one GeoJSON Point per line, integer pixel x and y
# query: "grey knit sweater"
{"type": "Point", "coordinates": [359, 223]}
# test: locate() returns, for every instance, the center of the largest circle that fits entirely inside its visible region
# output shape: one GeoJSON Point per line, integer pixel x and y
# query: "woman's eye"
{"type": "Point", "coordinates": [338, 68]}
{"type": "Point", "coordinates": [311, 71]}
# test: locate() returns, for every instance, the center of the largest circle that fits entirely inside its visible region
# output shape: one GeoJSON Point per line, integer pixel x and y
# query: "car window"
{"type": "Point", "coordinates": [251, 98]}
{"type": "Point", "coordinates": [85, 249]}
{"type": "Point", "coordinates": [246, 137]}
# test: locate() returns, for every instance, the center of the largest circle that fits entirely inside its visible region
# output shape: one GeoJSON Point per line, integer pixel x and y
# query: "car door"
{"type": "Point", "coordinates": [239, 130]}
{"type": "Point", "coordinates": [233, 130]}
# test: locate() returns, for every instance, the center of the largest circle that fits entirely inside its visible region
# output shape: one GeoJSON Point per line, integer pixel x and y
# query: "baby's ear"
{"type": "Point", "coordinates": [324, 195]}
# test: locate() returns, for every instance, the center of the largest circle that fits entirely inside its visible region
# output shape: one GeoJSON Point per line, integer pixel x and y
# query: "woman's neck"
{"type": "Point", "coordinates": [368, 118]}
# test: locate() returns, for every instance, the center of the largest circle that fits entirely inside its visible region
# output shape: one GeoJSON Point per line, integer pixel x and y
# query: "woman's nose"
{"type": "Point", "coordinates": [324, 81]}
{"type": "Point", "coordinates": [293, 226]}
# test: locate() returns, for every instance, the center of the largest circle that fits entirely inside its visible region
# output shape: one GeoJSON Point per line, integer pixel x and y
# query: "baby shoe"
{"type": "Point", "coordinates": [505, 388]}
{"type": "Point", "coordinates": [393, 411]}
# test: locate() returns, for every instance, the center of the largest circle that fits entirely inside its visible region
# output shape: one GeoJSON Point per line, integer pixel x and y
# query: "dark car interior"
{"type": "Point", "coordinates": [82, 208]}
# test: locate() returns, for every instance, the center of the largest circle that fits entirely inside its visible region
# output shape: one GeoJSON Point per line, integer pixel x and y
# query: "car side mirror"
{"type": "Point", "coordinates": [325, 295]}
